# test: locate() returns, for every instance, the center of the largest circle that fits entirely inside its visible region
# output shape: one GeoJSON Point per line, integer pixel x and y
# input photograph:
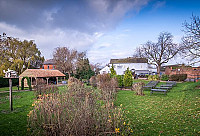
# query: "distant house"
{"type": "Point", "coordinates": [192, 72]}
{"type": "Point", "coordinates": [139, 66]}
{"type": "Point", "coordinates": [49, 64]}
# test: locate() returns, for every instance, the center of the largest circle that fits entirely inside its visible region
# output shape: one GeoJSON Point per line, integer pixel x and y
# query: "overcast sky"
{"type": "Point", "coordinates": [104, 28]}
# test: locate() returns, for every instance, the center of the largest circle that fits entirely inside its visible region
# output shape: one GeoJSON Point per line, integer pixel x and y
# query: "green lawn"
{"type": "Point", "coordinates": [14, 88]}
{"type": "Point", "coordinates": [177, 113]}
{"type": "Point", "coordinates": [14, 123]}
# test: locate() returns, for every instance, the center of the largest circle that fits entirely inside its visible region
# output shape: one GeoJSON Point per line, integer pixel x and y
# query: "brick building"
{"type": "Point", "coordinates": [192, 72]}
{"type": "Point", "coordinates": [49, 64]}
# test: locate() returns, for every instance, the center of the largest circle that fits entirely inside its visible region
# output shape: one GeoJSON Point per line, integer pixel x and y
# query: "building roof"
{"type": "Point", "coordinates": [42, 73]}
{"type": "Point", "coordinates": [49, 62]}
{"type": "Point", "coordinates": [129, 60]}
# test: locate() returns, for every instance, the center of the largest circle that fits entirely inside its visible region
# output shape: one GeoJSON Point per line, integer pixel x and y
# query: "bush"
{"type": "Point", "coordinates": [4, 82]}
{"type": "Point", "coordinates": [178, 77]}
{"type": "Point", "coordinates": [78, 112]}
{"type": "Point", "coordinates": [138, 87]}
{"type": "Point", "coordinates": [72, 80]}
{"type": "Point", "coordinates": [107, 85]}
{"type": "Point", "coordinates": [164, 77]}
{"type": "Point", "coordinates": [93, 81]}
{"type": "Point", "coordinates": [120, 80]}
{"type": "Point", "coordinates": [128, 78]}
{"type": "Point", "coordinates": [42, 88]}
{"type": "Point", "coordinates": [153, 77]}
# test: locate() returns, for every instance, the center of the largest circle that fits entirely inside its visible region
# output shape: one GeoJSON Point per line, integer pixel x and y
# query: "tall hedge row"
{"type": "Point", "coordinates": [4, 82]}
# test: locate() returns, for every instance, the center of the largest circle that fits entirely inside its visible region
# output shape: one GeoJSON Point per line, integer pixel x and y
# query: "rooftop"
{"type": "Point", "coordinates": [129, 60]}
{"type": "Point", "coordinates": [42, 73]}
{"type": "Point", "coordinates": [49, 62]}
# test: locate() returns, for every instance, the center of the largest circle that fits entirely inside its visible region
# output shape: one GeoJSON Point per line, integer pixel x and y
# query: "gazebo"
{"type": "Point", "coordinates": [35, 74]}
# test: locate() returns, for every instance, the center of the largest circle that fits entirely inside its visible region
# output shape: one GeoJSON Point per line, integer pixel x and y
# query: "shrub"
{"type": "Point", "coordinates": [42, 88]}
{"type": "Point", "coordinates": [107, 85]}
{"type": "Point", "coordinates": [164, 77]}
{"type": "Point", "coordinates": [120, 80]}
{"type": "Point", "coordinates": [28, 82]}
{"type": "Point", "coordinates": [178, 77]}
{"type": "Point", "coordinates": [93, 81]}
{"type": "Point", "coordinates": [4, 82]}
{"type": "Point", "coordinates": [153, 77]}
{"type": "Point", "coordinates": [112, 71]}
{"type": "Point", "coordinates": [138, 87]}
{"type": "Point", "coordinates": [72, 80]}
{"type": "Point", "coordinates": [77, 112]}
{"type": "Point", "coordinates": [128, 78]}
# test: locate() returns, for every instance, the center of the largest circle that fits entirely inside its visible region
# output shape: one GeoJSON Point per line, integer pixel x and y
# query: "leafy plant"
{"type": "Point", "coordinates": [128, 78]}
{"type": "Point", "coordinates": [164, 77]}
{"type": "Point", "coordinates": [112, 71]}
{"type": "Point", "coordinates": [120, 80]}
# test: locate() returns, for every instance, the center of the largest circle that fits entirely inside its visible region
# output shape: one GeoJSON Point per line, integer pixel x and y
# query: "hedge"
{"type": "Point", "coordinates": [4, 82]}
{"type": "Point", "coordinates": [178, 77]}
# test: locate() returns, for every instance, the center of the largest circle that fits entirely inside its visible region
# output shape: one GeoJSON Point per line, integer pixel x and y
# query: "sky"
{"type": "Point", "coordinates": [106, 29]}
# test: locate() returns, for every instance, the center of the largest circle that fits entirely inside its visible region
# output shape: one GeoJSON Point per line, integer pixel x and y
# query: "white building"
{"type": "Point", "coordinates": [138, 65]}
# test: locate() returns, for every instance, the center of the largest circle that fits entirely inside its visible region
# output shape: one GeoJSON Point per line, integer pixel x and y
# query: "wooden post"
{"type": "Point", "coordinates": [10, 94]}
{"type": "Point", "coordinates": [56, 80]}
{"type": "Point", "coordinates": [47, 81]}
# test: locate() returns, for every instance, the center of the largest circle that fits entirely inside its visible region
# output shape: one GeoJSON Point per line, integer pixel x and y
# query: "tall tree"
{"type": "Point", "coordinates": [160, 52]}
{"type": "Point", "coordinates": [83, 70]}
{"type": "Point", "coordinates": [191, 40]}
{"type": "Point", "coordinates": [18, 55]}
{"type": "Point", "coordinates": [66, 59]}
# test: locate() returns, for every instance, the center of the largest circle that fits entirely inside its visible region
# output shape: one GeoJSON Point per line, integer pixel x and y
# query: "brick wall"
{"type": "Point", "coordinates": [192, 72]}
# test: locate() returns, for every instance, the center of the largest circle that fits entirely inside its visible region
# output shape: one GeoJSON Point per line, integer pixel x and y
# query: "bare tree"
{"type": "Point", "coordinates": [191, 41]}
{"type": "Point", "coordinates": [66, 59]}
{"type": "Point", "coordinates": [160, 52]}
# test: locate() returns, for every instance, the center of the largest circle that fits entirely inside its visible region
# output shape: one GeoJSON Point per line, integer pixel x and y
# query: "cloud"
{"type": "Point", "coordinates": [159, 4]}
{"type": "Point", "coordinates": [73, 23]}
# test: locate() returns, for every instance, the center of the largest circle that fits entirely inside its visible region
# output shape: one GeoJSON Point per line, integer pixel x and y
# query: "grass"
{"type": "Point", "coordinates": [177, 113]}
{"type": "Point", "coordinates": [14, 123]}
{"type": "Point", "coordinates": [14, 88]}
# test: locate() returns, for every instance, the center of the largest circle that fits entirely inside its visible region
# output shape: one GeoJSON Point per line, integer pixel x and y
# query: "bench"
{"type": "Point", "coordinates": [167, 85]}
{"type": "Point", "coordinates": [164, 87]}
{"type": "Point", "coordinates": [159, 90]}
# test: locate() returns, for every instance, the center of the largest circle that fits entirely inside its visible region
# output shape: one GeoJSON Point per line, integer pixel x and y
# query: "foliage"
{"type": "Point", "coordinates": [108, 86]}
{"type": "Point", "coordinates": [4, 82]}
{"type": "Point", "coordinates": [77, 111]}
{"type": "Point", "coordinates": [128, 78]}
{"type": "Point", "coordinates": [66, 59]}
{"type": "Point", "coordinates": [120, 80]}
{"type": "Point", "coordinates": [28, 82]}
{"type": "Point", "coordinates": [42, 88]}
{"type": "Point", "coordinates": [18, 55]}
{"type": "Point", "coordinates": [160, 52]}
{"type": "Point", "coordinates": [153, 77]}
{"type": "Point", "coordinates": [164, 77]}
{"type": "Point", "coordinates": [192, 39]}
{"type": "Point", "coordinates": [93, 81]}
{"type": "Point", "coordinates": [113, 72]}
{"type": "Point", "coordinates": [83, 70]}
{"type": "Point", "coordinates": [138, 88]}
{"type": "Point", "coordinates": [178, 77]}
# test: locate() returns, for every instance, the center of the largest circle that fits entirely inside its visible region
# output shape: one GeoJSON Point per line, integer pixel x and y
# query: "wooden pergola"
{"type": "Point", "coordinates": [35, 74]}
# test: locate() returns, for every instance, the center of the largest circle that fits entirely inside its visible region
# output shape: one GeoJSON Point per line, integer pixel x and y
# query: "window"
{"type": "Point", "coordinates": [43, 67]}
{"type": "Point", "coordinates": [48, 67]}
{"type": "Point", "coordinates": [119, 66]}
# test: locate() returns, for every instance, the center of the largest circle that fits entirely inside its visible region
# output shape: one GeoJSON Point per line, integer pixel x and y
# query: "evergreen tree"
{"type": "Point", "coordinates": [128, 78]}
{"type": "Point", "coordinates": [84, 70]}
{"type": "Point", "coordinates": [113, 72]}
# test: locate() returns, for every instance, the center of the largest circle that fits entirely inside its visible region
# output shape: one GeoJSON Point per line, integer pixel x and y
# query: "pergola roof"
{"type": "Point", "coordinates": [41, 73]}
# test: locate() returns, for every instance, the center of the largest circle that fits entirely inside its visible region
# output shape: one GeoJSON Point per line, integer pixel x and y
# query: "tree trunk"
{"type": "Point", "coordinates": [69, 74]}
{"type": "Point", "coordinates": [158, 69]}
